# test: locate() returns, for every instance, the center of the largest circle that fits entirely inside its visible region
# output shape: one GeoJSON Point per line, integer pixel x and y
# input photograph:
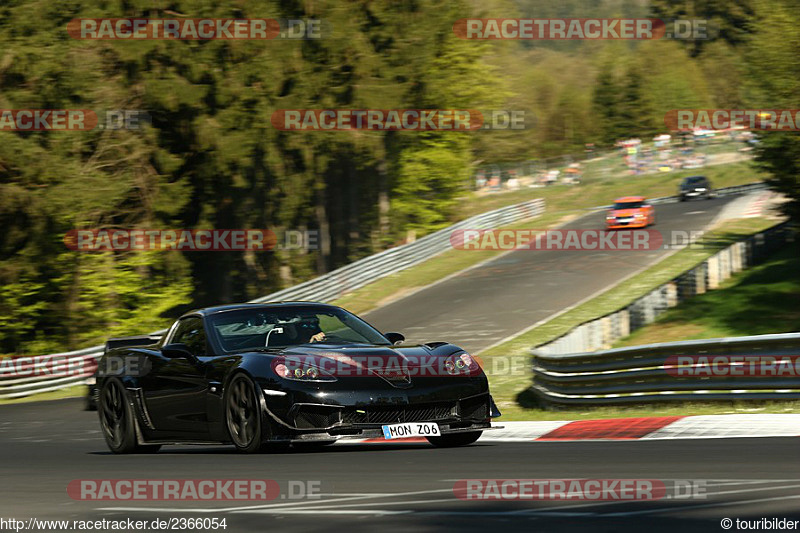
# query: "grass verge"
{"type": "Point", "coordinates": [563, 202]}
{"type": "Point", "coordinates": [764, 299]}
{"type": "Point", "coordinates": [506, 386]}
{"type": "Point", "coordinates": [76, 391]}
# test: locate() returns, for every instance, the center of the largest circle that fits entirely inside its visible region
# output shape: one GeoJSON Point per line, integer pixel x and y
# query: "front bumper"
{"type": "Point", "coordinates": [637, 223]}
{"type": "Point", "coordinates": [327, 422]}
{"type": "Point", "coordinates": [377, 433]}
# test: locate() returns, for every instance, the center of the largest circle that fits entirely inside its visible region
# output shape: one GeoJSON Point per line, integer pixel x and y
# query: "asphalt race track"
{"type": "Point", "coordinates": [480, 306]}
{"type": "Point", "coordinates": [409, 486]}
{"type": "Point", "coordinates": [398, 487]}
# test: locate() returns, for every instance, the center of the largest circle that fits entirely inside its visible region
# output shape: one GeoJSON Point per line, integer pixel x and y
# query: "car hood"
{"type": "Point", "coordinates": [388, 362]}
{"type": "Point", "coordinates": [625, 212]}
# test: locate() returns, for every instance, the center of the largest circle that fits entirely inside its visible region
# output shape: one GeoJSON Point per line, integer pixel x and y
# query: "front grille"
{"type": "Point", "coordinates": [477, 408]}
{"type": "Point", "coordinates": [392, 415]}
{"type": "Point", "coordinates": [315, 417]}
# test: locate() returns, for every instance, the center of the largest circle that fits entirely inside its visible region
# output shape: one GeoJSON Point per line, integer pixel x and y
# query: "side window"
{"type": "Point", "coordinates": [191, 333]}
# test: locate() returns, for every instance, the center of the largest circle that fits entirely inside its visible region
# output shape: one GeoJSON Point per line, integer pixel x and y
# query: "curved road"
{"type": "Point", "coordinates": [398, 487]}
{"type": "Point", "coordinates": [499, 298]}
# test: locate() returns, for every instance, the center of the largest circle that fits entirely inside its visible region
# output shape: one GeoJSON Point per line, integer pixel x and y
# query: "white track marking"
{"type": "Point", "coordinates": [274, 505]}
{"type": "Point", "coordinates": [336, 505]}
{"type": "Point", "coordinates": [705, 506]}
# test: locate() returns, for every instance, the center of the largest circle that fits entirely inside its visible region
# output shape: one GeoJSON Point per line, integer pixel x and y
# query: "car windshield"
{"type": "Point", "coordinates": [628, 205]}
{"type": "Point", "coordinates": [257, 328]}
{"type": "Point", "coordinates": [693, 181]}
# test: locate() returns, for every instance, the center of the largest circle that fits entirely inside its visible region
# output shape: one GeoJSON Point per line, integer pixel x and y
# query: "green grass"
{"type": "Point", "coordinates": [603, 190]}
{"type": "Point", "coordinates": [563, 202]}
{"type": "Point", "coordinates": [761, 300]}
{"type": "Point", "coordinates": [507, 386]}
{"type": "Point", "coordinates": [635, 286]}
{"type": "Point", "coordinates": [76, 391]}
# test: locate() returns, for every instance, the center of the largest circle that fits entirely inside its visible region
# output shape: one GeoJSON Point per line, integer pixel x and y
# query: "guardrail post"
{"type": "Point", "coordinates": [700, 278]}
{"type": "Point", "coordinates": [713, 271]}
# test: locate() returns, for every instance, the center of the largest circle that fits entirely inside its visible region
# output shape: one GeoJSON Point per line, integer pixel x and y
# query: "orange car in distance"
{"type": "Point", "coordinates": [630, 212]}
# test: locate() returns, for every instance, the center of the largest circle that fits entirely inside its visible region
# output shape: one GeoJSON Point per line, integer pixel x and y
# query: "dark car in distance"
{"type": "Point", "coordinates": [695, 187]}
{"type": "Point", "coordinates": [300, 373]}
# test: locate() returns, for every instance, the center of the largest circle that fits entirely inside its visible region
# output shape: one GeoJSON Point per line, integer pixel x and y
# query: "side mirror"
{"type": "Point", "coordinates": [395, 338]}
{"type": "Point", "coordinates": [177, 350]}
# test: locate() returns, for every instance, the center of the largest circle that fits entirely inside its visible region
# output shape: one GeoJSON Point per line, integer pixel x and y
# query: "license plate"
{"type": "Point", "coordinates": [624, 219]}
{"type": "Point", "coordinates": [411, 429]}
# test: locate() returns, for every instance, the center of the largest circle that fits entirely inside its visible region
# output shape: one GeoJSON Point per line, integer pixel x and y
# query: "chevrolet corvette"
{"type": "Point", "coordinates": [291, 373]}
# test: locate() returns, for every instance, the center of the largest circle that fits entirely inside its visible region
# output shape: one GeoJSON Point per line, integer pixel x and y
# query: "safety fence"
{"type": "Point", "coordinates": [29, 375]}
{"type": "Point", "coordinates": [569, 370]}
{"type": "Point", "coordinates": [761, 367]}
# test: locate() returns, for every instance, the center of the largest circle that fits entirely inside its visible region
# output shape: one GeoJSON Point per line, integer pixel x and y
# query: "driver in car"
{"type": "Point", "coordinates": [309, 328]}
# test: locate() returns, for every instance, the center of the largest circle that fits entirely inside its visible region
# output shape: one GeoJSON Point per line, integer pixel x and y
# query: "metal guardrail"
{"type": "Point", "coordinates": [359, 273]}
{"type": "Point", "coordinates": [653, 372]}
{"type": "Point", "coordinates": [601, 332]}
{"type": "Point", "coordinates": [328, 286]}
{"type": "Point", "coordinates": [721, 192]}
{"type": "Point", "coordinates": [323, 288]}
{"type": "Point", "coordinates": [567, 370]}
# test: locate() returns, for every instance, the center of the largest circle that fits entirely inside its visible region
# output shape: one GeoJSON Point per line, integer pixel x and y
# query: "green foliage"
{"type": "Point", "coordinates": [211, 159]}
{"type": "Point", "coordinates": [773, 59]}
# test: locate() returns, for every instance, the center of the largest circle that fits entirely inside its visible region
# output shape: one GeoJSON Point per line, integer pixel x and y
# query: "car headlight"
{"type": "Point", "coordinates": [638, 215]}
{"type": "Point", "coordinates": [461, 364]}
{"type": "Point", "coordinates": [302, 372]}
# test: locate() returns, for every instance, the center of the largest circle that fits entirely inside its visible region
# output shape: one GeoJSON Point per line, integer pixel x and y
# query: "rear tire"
{"type": "Point", "coordinates": [117, 420]}
{"type": "Point", "coordinates": [456, 439]}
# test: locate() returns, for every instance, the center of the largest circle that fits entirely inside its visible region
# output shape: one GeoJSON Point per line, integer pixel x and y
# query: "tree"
{"type": "Point", "coordinates": [774, 59]}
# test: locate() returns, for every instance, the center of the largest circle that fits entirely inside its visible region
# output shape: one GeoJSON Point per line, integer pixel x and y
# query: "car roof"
{"type": "Point", "coordinates": [206, 311]}
{"type": "Point", "coordinates": [626, 199]}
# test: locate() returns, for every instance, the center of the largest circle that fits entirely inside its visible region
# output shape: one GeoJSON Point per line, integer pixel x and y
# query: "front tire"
{"type": "Point", "coordinates": [243, 414]}
{"type": "Point", "coordinates": [456, 439]}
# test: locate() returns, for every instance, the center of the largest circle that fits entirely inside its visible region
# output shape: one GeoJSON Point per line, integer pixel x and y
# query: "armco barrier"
{"type": "Point", "coordinates": [722, 192]}
{"type": "Point", "coordinates": [342, 280]}
{"type": "Point", "coordinates": [651, 373]}
{"type": "Point", "coordinates": [568, 370]}
{"type": "Point", "coordinates": [323, 288]}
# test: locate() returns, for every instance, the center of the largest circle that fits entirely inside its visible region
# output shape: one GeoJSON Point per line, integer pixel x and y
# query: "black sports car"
{"type": "Point", "coordinates": [298, 373]}
{"type": "Point", "coordinates": [695, 187]}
